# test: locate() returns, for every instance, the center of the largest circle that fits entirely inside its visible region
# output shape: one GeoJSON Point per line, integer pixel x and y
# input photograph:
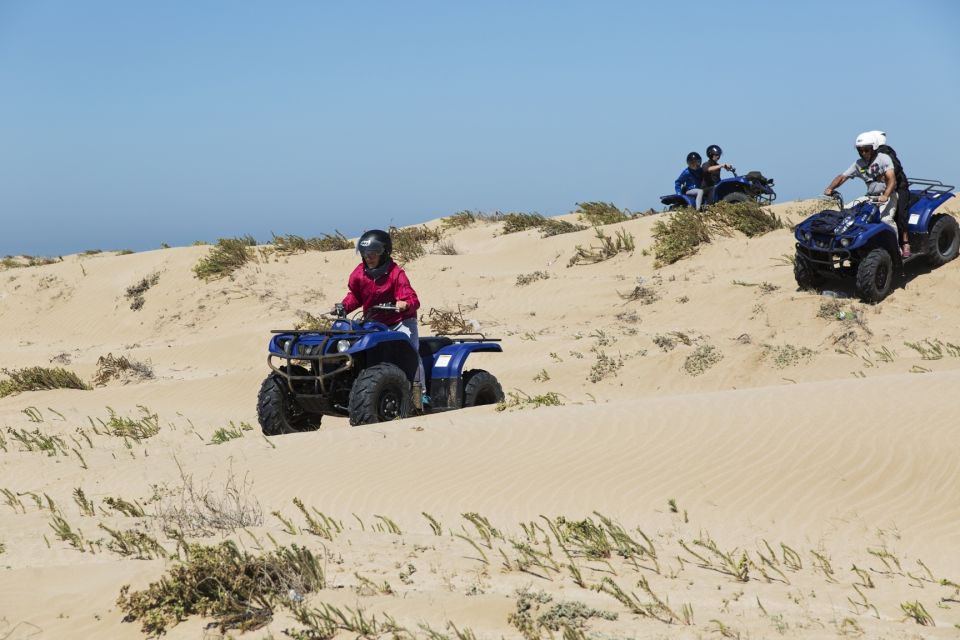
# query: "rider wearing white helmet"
{"type": "Point", "coordinates": [877, 171]}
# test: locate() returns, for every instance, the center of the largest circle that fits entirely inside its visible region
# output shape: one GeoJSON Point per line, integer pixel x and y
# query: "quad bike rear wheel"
{"type": "Point", "coordinates": [943, 243]}
{"type": "Point", "coordinates": [379, 394]}
{"type": "Point", "coordinates": [481, 387]}
{"type": "Point", "coordinates": [737, 196]}
{"type": "Point", "coordinates": [875, 276]}
{"type": "Point", "coordinates": [277, 409]}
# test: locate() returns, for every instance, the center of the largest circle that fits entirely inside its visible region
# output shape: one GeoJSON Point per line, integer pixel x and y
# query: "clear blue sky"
{"type": "Point", "coordinates": [127, 124]}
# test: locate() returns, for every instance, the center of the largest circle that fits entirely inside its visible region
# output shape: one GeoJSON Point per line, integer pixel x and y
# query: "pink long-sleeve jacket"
{"type": "Point", "coordinates": [390, 287]}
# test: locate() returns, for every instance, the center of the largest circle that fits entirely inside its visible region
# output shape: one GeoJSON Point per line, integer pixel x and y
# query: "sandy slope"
{"type": "Point", "coordinates": [830, 436]}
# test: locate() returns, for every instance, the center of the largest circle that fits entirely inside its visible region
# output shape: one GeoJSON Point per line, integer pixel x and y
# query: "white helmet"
{"type": "Point", "coordinates": [871, 139]}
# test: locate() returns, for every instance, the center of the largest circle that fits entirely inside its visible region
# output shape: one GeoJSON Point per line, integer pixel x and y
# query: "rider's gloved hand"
{"type": "Point", "coordinates": [882, 198]}
{"type": "Point", "coordinates": [338, 310]}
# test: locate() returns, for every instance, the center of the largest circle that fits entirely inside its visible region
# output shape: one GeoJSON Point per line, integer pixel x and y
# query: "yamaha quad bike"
{"type": "Point", "coordinates": [750, 187]}
{"type": "Point", "coordinates": [855, 243]}
{"type": "Point", "coordinates": [364, 370]}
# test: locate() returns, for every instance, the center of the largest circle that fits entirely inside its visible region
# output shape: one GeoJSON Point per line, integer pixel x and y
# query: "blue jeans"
{"type": "Point", "coordinates": [409, 328]}
{"type": "Point", "coordinates": [696, 193]}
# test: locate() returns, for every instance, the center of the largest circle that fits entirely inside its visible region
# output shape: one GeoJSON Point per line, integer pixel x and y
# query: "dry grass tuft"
{"type": "Point", "coordinates": [135, 291]}
{"type": "Point", "coordinates": [749, 218]}
{"type": "Point", "coordinates": [703, 358]}
{"type": "Point", "coordinates": [678, 236]}
{"type": "Point", "coordinates": [39, 379]}
{"type": "Point", "coordinates": [110, 367]}
{"type": "Point", "coordinates": [527, 278]}
{"type": "Point", "coordinates": [289, 244]}
{"type": "Point", "coordinates": [447, 322]}
{"type": "Point", "coordinates": [195, 509]}
{"type": "Point", "coordinates": [306, 321]}
{"type": "Point", "coordinates": [411, 243]}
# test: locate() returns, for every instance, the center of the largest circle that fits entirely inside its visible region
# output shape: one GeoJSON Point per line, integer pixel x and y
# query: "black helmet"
{"type": "Point", "coordinates": [375, 239]}
{"type": "Point", "coordinates": [693, 155]}
{"type": "Point", "coordinates": [714, 150]}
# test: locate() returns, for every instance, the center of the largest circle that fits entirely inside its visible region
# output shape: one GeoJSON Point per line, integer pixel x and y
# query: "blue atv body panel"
{"type": "Point", "coordinates": [449, 361]}
{"type": "Point", "coordinates": [736, 184]}
{"type": "Point", "coordinates": [922, 210]}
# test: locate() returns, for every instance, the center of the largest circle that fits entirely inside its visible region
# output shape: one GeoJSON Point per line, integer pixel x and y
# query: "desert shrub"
{"type": "Point", "coordinates": [92, 252]}
{"type": "Point", "coordinates": [124, 252]}
{"type": "Point", "coordinates": [237, 589]}
{"type": "Point", "coordinates": [460, 220]}
{"type": "Point", "coordinates": [515, 222]}
{"type": "Point", "coordinates": [306, 321]}
{"type": "Point", "coordinates": [609, 247]}
{"type": "Point", "coordinates": [11, 262]}
{"type": "Point", "coordinates": [39, 379]}
{"type": "Point", "coordinates": [787, 355]}
{"type": "Point", "coordinates": [600, 213]}
{"type": "Point", "coordinates": [290, 244]}
{"type": "Point", "coordinates": [146, 426]}
{"type": "Point", "coordinates": [225, 257]}
{"type": "Point", "coordinates": [702, 358]}
{"type": "Point", "coordinates": [520, 399]}
{"type": "Point", "coordinates": [446, 321]}
{"type": "Point", "coordinates": [445, 248]}
{"type": "Point", "coordinates": [642, 294]}
{"type": "Point", "coordinates": [110, 367]}
{"type": "Point", "coordinates": [226, 434]}
{"type": "Point", "coordinates": [749, 218]}
{"type": "Point", "coordinates": [550, 227]}
{"type": "Point", "coordinates": [195, 508]}
{"type": "Point", "coordinates": [536, 610]}
{"type": "Point", "coordinates": [604, 367]}
{"type": "Point", "coordinates": [410, 243]}
{"type": "Point", "coordinates": [678, 236]}
{"type": "Point", "coordinates": [526, 278]}
{"type": "Point", "coordinates": [135, 291]}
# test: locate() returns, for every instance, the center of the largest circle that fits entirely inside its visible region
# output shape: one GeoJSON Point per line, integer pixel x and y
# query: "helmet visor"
{"type": "Point", "coordinates": [867, 150]}
{"type": "Point", "coordinates": [371, 246]}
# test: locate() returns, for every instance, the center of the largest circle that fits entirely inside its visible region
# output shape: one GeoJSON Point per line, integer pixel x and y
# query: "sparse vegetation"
{"type": "Point", "coordinates": [196, 509]}
{"type": "Point", "coordinates": [135, 291]}
{"type": "Point", "coordinates": [601, 213]}
{"type": "Point", "coordinates": [39, 379]}
{"type": "Point", "coordinates": [703, 358]}
{"type": "Point", "coordinates": [410, 243]}
{"type": "Point", "coordinates": [306, 321]}
{"type": "Point", "coordinates": [749, 218]}
{"type": "Point", "coordinates": [527, 278]}
{"type": "Point", "coordinates": [237, 589]}
{"type": "Point", "coordinates": [678, 236]}
{"type": "Point", "coordinates": [225, 257]}
{"type": "Point", "coordinates": [787, 355]}
{"type": "Point", "coordinates": [604, 367]}
{"type": "Point", "coordinates": [461, 220]}
{"type": "Point", "coordinates": [447, 322]}
{"type": "Point", "coordinates": [550, 227]}
{"type": "Point", "coordinates": [110, 367]}
{"type": "Point", "coordinates": [521, 400]}
{"type": "Point", "coordinates": [622, 242]}
{"type": "Point", "coordinates": [290, 244]}
{"type": "Point", "coordinates": [516, 222]}
{"type": "Point", "coordinates": [642, 294]}
{"type": "Point", "coordinates": [226, 434]}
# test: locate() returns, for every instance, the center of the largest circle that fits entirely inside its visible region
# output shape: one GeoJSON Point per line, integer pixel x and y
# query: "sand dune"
{"type": "Point", "coordinates": [832, 436]}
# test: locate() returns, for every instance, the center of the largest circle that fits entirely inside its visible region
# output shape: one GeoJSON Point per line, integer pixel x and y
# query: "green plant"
{"type": "Point", "coordinates": [551, 227]}
{"type": "Point", "coordinates": [409, 242]}
{"type": "Point", "coordinates": [678, 236]}
{"type": "Point", "coordinates": [147, 426]}
{"type": "Point", "coordinates": [516, 222]}
{"type": "Point", "coordinates": [527, 278]}
{"type": "Point", "coordinates": [749, 218]}
{"type": "Point", "coordinates": [917, 612]}
{"type": "Point", "coordinates": [521, 400]}
{"type": "Point", "coordinates": [39, 379]}
{"type": "Point", "coordinates": [290, 244]}
{"type": "Point", "coordinates": [703, 357]}
{"type": "Point", "coordinates": [642, 294]}
{"type": "Point", "coordinates": [237, 589]}
{"type": "Point", "coordinates": [604, 367]}
{"type": "Point", "coordinates": [225, 434]}
{"type": "Point", "coordinates": [601, 213]}
{"type": "Point", "coordinates": [135, 291]}
{"type": "Point", "coordinates": [225, 257]}
{"type": "Point", "coordinates": [622, 242]}
{"type": "Point", "coordinates": [460, 220]}
{"type": "Point", "coordinates": [787, 355]}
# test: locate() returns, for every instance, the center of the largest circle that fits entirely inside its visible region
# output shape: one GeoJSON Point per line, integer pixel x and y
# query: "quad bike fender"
{"type": "Point", "coordinates": [448, 362]}
{"type": "Point", "coordinates": [676, 199]}
{"type": "Point", "coordinates": [879, 235]}
{"type": "Point", "coordinates": [918, 220]}
{"type": "Point", "coordinates": [387, 346]}
{"type": "Point", "coordinates": [732, 185]}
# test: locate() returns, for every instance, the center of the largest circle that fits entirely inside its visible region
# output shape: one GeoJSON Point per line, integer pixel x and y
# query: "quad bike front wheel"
{"type": "Point", "coordinates": [379, 394]}
{"type": "Point", "coordinates": [943, 243]}
{"type": "Point", "coordinates": [481, 387]}
{"type": "Point", "coordinates": [875, 276]}
{"type": "Point", "coordinates": [277, 409]}
{"type": "Point", "coordinates": [805, 273]}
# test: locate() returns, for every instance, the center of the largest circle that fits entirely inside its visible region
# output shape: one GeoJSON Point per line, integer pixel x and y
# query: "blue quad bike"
{"type": "Point", "coordinates": [364, 370]}
{"type": "Point", "coordinates": [752, 186]}
{"type": "Point", "coordinates": [839, 243]}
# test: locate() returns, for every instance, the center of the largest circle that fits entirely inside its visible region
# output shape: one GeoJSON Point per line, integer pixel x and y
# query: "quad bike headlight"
{"type": "Point", "coordinates": [342, 345]}
{"type": "Point", "coordinates": [844, 242]}
{"type": "Point", "coordinates": [807, 235]}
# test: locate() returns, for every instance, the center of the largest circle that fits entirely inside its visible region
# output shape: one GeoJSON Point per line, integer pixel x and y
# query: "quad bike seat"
{"type": "Point", "coordinates": [430, 345]}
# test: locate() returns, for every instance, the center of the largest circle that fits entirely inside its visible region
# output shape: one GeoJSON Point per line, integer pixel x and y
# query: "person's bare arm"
{"type": "Point", "coordinates": [839, 180]}
{"type": "Point", "coordinates": [891, 184]}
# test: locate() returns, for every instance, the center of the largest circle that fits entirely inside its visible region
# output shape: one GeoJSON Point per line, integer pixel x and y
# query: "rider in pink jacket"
{"type": "Point", "coordinates": [380, 280]}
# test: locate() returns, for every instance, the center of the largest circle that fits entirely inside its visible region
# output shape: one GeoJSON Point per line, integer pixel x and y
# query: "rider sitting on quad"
{"type": "Point", "coordinates": [877, 171]}
{"type": "Point", "coordinates": [690, 179]}
{"type": "Point", "coordinates": [379, 280]}
{"type": "Point", "coordinates": [711, 169]}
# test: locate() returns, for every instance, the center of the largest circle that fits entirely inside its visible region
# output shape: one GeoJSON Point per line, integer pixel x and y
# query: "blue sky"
{"type": "Point", "coordinates": [127, 124]}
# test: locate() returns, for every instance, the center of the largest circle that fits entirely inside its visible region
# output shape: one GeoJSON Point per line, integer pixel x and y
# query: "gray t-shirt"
{"type": "Point", "coordinates": [872, 174]}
